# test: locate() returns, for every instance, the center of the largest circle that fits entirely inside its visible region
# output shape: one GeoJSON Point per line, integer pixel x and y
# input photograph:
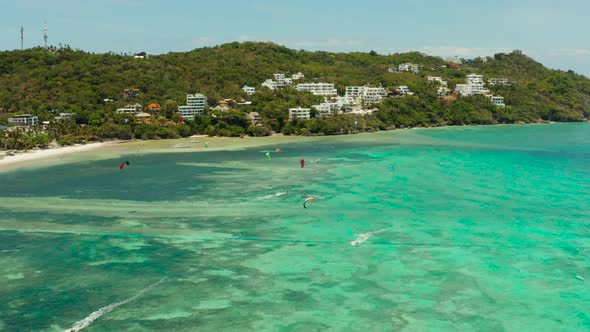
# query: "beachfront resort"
{"type": "Point", "coordinates": [283, 102]}
{"type": "Point", "coordinates": [355, 100]}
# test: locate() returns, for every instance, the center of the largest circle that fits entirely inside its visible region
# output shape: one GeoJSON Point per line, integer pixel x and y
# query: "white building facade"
{"type": "Point", "coordinates": [195, 105]}
{"type": "Point", "coordinates": [318, 89]}
{"type": "Point", "coordinates": [437, 79]}
{"type": "Point", "coordinates": [499, 81]}
{"type": "Point", "coordinates": [24, 120]}
{"type": "Point", "coordinates": [404, 90]}
{"type": "Point", "coordinates": [365, 94]}
{"type": "Point", "coordinates": [130, 109]}
{"type": "Point", "coordinates": [326, 109]}
{"type": "Point", "coordinates": [299, 113]}
{"type": "Point", "coordinates": [474, 86]}
{"type": "Point", "coordinates": [297, 76]}
{"type": "Point", "coordinates": [249, 90]}
{"type": "Point", "coordinates": [408, 66]}
{"type": "Point", "coordinates": [442, 90]}
{"type": "Point", "coordinates": [281, 80]}
{"type": "Point", "coordinates": [498, 101]}
{"type": "Point", "coordinates": [270, 84]}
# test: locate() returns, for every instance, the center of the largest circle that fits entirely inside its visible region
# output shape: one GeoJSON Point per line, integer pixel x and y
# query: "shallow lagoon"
{"type": "Point", "coordinates": [482, 228]}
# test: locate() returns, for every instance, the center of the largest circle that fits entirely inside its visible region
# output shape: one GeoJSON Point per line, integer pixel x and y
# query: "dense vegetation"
{"type": "Point", "coordinates": [43, 82]}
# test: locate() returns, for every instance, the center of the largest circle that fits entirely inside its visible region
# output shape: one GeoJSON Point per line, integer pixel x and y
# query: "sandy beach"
{"type": "Point", "coordinates": [113, 149]}
{"type": "Point", "coordinates": [30, 156]}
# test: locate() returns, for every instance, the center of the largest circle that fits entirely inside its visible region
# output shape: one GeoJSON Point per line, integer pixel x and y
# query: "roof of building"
{"type": "Point", "coordinates": [136, 105]}
{"type": "Point", "coordinates": [154, 105]}
{"type": "Point", "coordinates": [142, 115]}
{"type": "Point", "coordinates": [221, 108]}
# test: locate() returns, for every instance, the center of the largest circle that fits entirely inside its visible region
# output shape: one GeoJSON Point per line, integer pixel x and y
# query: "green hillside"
{"type": "Point", "coordinates": [38, 80]}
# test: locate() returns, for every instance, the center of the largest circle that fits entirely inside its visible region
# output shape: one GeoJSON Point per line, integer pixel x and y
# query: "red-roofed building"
{"type": "Point", "coordinates": [153, 108]}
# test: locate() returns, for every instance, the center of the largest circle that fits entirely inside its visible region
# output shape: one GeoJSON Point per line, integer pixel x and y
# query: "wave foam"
{"type": "Point", "coordinates": [81, 324]}
{"type": "Point", "coordinates": [364, 237]}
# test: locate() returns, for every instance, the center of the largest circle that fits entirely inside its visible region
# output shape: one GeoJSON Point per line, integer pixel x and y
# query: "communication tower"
{"type": "Point", "coordinates": [45, 34]}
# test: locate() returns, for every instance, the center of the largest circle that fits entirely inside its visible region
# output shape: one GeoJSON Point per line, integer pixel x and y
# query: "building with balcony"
{"type": "Point", "coordinates": [24, 120]}
{"type": "Point", "coordinates": [297, 76]}
{"type": "Point", "coordinates": [318, 89]}
{"type": "Point", "coordinates": [437, 79]}
{"type": "Point", "coordinates": [299, 113]}
{"type": "Point", "coordinates": [408, 66]}
{"type": "Point", "coordinates": [499, 81]}
{"type": "Point", "coordinates": [365, 94]}
{"type": "Point", "coordinates": [195, 105]}
{"type": "Point", "coordinates": [327, 109]}
{"type": "Point", "coordinates": [142, 118]}
{"type": "Point", "coordinates": [249, 90]}
{"type": "Point", "coordinates": [130, 109]}
{"type": "Point", "coordinates": [474, 86]}
{"type": "Point", "coordinates": [498, 101]}
{"type": "Point", "coordinates": [404, 90]}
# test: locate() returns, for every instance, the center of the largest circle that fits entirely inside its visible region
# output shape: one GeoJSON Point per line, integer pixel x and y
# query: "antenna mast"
{"type": "Point", "coordinates": [22, 37]}
{"type": "Point", "coordinates": [45, 34]}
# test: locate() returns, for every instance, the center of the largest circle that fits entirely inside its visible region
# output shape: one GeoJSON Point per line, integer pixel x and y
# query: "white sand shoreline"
{"type": "Point", "coordinates": [23, 157]}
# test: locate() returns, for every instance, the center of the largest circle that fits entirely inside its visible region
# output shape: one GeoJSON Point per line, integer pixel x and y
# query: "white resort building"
{"type": "Point", "coordinates": [498, 101]}
{"type": "Point", "coordinates": [474, 86]}
{"type": "Point", "coordinates": [437, 79]}
{"type": "Point", "coordinates": [297, 76]}
{"type": "Point", "coordinates": [195, 105]}
{"type": "Point", "coordinates": [443, 89]}
{"type": "Point", "coordinates": [365, 94]}
{"type": "Point", "coordinates": [404, 90]}
{"type": "Point", "coordinates": [24, 120]}
{"type": "Point", "coordinates": [281, 80]}
{"type": "Point", "coordinates": [249, 90]}
{"type": "Point", "coordinates": [270, 84]}
{"type": "Point", "coordinates": [499, 81]}
{"type": "Point", "coordinates": [318, 89]}
{"type": "Point", "coordinates": [130, 109]}
{"type": "Point", "coordinates": [299, 113]}
{"type": "Point", "coordinates": [64, 116]}
{"type": "Point", "coordinates": [408, 66]}
{"type": "Point", "coordinates": [326, 109]}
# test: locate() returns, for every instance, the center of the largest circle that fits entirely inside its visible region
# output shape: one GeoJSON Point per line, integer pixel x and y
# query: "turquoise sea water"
{"type": "Point", "coordinates": [477, 229]}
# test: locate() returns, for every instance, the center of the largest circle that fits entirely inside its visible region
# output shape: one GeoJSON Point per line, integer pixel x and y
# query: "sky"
{"type": "Point", "coordinates": [554, 33]}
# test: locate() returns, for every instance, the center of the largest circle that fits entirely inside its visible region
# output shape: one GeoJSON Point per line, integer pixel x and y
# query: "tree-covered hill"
{"type": "Point", "coordinates": [39, 80]}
